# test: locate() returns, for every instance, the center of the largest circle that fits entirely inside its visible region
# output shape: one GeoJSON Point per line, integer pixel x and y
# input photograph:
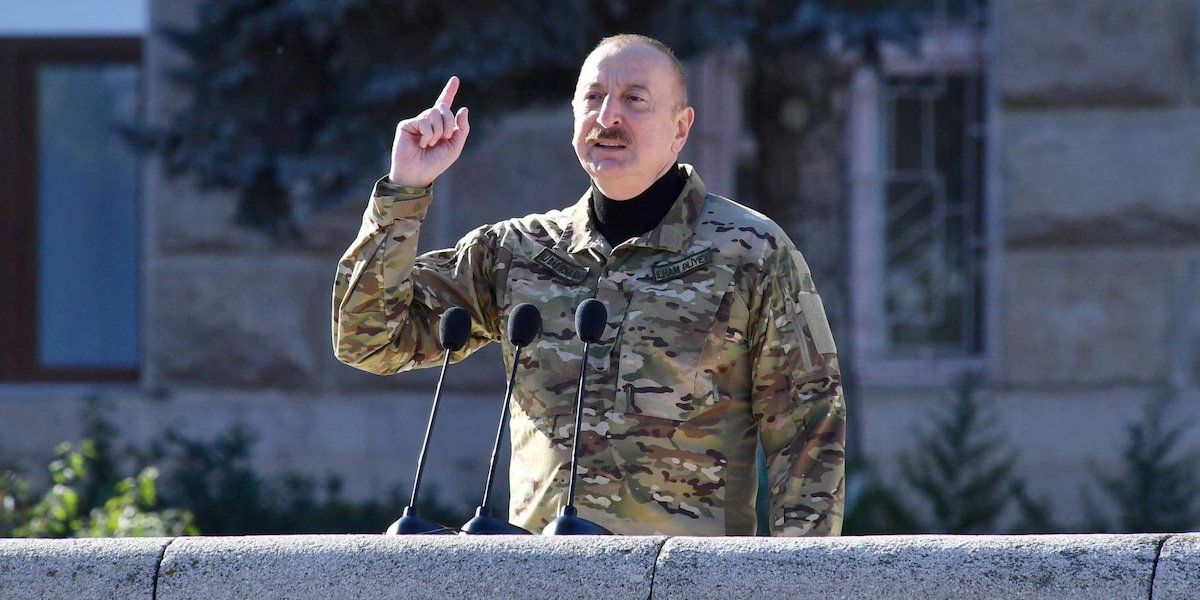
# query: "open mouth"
{"type": "Point", "coordinates": [610, 145]}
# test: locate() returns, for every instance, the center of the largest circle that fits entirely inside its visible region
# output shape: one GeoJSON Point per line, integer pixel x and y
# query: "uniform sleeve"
{"type": "Point", "coordinates": [387, 301]}
{"type": "Point", "coordinates": [797, 401]}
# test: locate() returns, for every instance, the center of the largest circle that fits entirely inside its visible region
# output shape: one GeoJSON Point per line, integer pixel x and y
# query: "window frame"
{"type": "Point", "coordinates": [20, 58]}
{"type": "Point", "coordinates": [945, 49]}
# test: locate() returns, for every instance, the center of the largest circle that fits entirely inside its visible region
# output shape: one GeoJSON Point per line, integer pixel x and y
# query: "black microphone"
{"type": "Point", "coordinates": [590, 319]}
{"type": "Point", "coordinates": [524, 324]}
{"type": "Point", "coordinates": [453, 332]}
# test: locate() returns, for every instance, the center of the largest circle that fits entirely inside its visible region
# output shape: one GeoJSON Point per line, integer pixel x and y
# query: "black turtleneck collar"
{"type": "Point", "coordinates": [619, 220]}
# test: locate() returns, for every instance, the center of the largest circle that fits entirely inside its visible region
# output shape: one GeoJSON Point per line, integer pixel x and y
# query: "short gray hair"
{"type": "Point", "coordinates": [629, 39]}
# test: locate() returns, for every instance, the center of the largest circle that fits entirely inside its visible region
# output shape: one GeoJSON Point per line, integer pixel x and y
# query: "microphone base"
{"type": "Point", "coordinates": [484, 524]}
{"type": "Point", "coordinates": [569, 523]}
{"type": "Point", "coordinates": [411, 523]}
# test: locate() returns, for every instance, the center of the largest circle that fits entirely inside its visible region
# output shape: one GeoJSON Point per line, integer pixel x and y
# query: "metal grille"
{"type": "Point", "coordinates": [934, 198]}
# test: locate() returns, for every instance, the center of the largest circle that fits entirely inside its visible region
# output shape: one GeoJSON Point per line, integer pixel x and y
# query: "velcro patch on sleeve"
{"type": "Point", "coordinates": [806, 282]}
{"type": "Point", "coordinates": [813, 311]}
{"type": "Point", "coordinates": [801, 264]}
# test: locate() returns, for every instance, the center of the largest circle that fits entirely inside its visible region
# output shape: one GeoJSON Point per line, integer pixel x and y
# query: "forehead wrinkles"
{"type": "Point", "coordinates": [614, 79]}
{"type": "Point", "coordinates": [623, 67]}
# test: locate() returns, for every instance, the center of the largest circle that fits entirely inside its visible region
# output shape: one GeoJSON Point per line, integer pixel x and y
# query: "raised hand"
{"type": "Point", "coordinates": [427, 144]}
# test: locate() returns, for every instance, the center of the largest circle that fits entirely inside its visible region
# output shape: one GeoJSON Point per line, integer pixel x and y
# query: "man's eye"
{"type": "Point", "coordinates": [636, 99]}
{"type": "Point", "coordinates": [591, 97]}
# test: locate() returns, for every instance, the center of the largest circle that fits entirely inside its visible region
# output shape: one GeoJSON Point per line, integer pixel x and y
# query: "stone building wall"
{"type": "Point", "coordinates": [237, 325]}
{"type": "Point", "coordinates": [1099, 153]}
{"type": "Point", "coordinates": [1096, 176]}
{"type": "Point", "coordinates": [1095, 180]}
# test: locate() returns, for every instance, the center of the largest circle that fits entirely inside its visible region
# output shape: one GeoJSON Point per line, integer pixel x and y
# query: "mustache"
{"type": "Point", "coordinates": [613, 134]}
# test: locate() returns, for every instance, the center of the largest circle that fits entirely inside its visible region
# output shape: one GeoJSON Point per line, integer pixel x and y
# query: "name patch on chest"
{"type": "Point", "coordinates": [671, 270]}
{"type": "Point", "coordinates": [561, 266]}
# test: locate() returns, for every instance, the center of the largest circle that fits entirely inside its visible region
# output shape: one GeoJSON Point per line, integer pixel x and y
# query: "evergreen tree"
{"type": "Point", "coordinates": [964, 471]}
{"type": "Point", "coordinates": [291, 101]}
{"type": "Point", "coordinates": [1157, 488]}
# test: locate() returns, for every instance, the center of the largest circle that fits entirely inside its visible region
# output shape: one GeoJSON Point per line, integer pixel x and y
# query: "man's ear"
{"type": "Point", "coordinates": [683, 126]}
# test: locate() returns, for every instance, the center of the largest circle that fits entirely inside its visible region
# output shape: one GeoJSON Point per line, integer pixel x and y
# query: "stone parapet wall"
{"type": "Point", "coordinates": [365, 567]}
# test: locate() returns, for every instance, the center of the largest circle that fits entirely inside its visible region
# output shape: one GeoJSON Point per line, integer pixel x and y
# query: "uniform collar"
{"type": "Point", "coordinates": [671, 234]}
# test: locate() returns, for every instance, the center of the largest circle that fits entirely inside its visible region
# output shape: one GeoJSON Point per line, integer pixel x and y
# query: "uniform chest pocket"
{"type": "Point", "coordinates": [668, 349]}
{"type": "Point", "coordinates": [549, 371]}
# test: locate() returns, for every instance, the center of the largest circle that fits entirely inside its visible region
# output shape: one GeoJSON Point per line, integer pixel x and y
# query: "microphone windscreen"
{"type": "Point", "coordinates": [590, 319]}
{"type": "Point", "coordinates": [455, 328]}
{"type": "Point", "coordinates": [524, 324]}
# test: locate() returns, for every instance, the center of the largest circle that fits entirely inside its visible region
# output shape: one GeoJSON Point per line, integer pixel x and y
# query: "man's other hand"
{"type": "Point", "coordinates": [427, 144]}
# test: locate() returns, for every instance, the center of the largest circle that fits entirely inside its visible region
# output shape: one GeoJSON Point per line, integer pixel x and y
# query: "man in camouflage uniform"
{"type": "Point", "coordinates": [716, 335]}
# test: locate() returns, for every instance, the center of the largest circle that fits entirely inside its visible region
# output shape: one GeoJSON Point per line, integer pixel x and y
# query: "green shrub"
{"type": "Point", "coordinates": [215, 480]}
{"type": "Point", "coordinates": [185, 486]}
{"type": "Point", "coordinates": [963, 470]}
{"type": "Point", "coordinates": [961, 477]}
{"type": "Point", "coordinates": [72, 507]}
{"type": "Point", "coordinates": [872, 507]}
{"type": "Point", "coordinates": [1157, 487]}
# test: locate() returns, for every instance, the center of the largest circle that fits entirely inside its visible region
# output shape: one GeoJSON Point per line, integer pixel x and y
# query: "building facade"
{"type": "Point", "coordinates": [1020, 199]}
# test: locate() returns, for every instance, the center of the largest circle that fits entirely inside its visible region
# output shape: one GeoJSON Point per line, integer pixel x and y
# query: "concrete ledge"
{"type": "Point", "coordinates": [373, 566]}
{"type": "Point", "coordinates": [94, 568]}
{"type": "Point", "coordinates": [912, 567]}
{"type": "Point", "coordinates": [1178, 572]}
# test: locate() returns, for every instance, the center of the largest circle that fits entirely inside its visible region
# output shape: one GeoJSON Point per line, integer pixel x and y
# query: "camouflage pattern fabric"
{"type": "Point", "coordinates": [716, 336]}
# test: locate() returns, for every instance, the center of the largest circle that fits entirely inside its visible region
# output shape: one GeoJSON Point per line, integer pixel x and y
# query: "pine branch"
{"type": "Point", "coordinates": [308, 91]}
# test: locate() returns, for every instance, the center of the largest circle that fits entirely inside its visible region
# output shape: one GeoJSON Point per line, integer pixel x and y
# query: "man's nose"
{"type": "Point", "coordinates": [609, 114]}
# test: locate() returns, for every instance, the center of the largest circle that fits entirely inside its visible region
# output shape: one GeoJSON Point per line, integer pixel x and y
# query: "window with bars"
{"type": "Point", "coordinates": [933, 214]}
{"type": "Point", "coordinates": [919, 182]}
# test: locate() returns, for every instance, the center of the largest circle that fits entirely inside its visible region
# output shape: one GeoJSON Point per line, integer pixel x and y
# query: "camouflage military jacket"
{"type": "Point", "coordinates": [716, 335]}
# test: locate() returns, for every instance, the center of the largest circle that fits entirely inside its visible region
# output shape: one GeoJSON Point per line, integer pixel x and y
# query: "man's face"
{"type": "Point", "coordinates": [629, 127]}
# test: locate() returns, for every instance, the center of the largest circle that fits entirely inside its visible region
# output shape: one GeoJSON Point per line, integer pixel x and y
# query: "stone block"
{"type": "Point", "coordinates": [908, 567]}
{"type": "Point", "coordinates": [187, 220]}
{"type": "Point", "coordinates": [1101, 178]}
{"type": "Point", "coordinates": [96, 569]}
{"type": "Point", "coordinates": [190, 220]}
{"type": "Point", "coordinates": [32, 423]}
{"type": "Point", "coordinates": [1093, 52]}
{"type": "Point", "coordinates": [240, 321]}
{"type": "Point", "coordinates": [521, 164]}
{"type": "Point", "coordinates": [389, 431]}
{"type": "Point", "coordinates": [371, 567]}
{"type": "Point", "coordinates": [1185, 328]}
{"type": "Point", "coordinates": [1096, 317]}
{"type": "Point", "coordinates": [1178, 567]}
{"type": "Point", "coordinates": [331, 228]}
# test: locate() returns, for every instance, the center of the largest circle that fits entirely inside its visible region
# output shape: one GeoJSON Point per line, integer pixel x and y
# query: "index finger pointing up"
{"type": "Point", "coordinates": [447, 95]}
